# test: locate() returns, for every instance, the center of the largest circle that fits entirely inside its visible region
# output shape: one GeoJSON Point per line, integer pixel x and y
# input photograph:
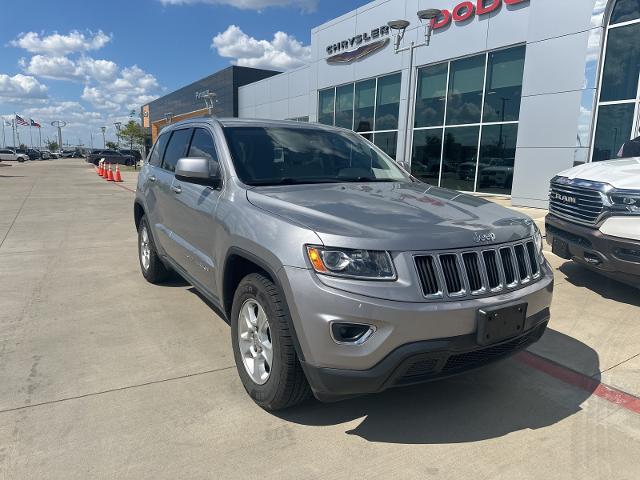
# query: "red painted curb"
{"type": "Point", "coordinates": [579, 380]}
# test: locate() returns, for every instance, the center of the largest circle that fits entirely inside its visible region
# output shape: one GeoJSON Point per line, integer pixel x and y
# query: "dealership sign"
{"type": "Point", "coordinates": [358, 46]}
{"type": "Point", "coordinates": [467, 10]}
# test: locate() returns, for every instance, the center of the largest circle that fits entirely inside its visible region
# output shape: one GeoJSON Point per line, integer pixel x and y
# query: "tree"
{"type": "Point", "coordinates": [111, 145]}
{"type": "Point", "coordinates": [52, 146]}
{"type": "Point", "coordinates": [133, 134]}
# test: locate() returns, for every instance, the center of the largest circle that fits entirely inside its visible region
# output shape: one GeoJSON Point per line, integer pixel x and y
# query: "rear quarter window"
{"type": "Point", "coordinates": [155, 158]}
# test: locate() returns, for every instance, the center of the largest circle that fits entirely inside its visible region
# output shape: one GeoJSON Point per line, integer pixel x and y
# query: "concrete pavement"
{"type": "Point", "coordinates": [103, 375]}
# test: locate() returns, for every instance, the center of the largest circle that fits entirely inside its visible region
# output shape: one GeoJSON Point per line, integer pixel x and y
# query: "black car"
{"type": "Point", "coordinates": [30, 152]}
{"type": "Point", "coordinates": [134, 153]}
{"type": "Point", "coordinates": [111, 156]}
{"type": "Point", "coordinates": [73, 153]}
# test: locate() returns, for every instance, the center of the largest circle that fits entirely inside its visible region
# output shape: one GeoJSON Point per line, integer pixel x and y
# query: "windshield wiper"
{"type": "Point", "coordinates": [366, 179]}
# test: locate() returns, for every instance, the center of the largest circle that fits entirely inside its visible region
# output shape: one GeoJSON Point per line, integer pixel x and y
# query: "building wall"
{"type": "Point", "coordinates": [563, 41]}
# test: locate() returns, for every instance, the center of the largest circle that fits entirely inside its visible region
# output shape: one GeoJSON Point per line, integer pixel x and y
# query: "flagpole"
{"type": "Point", "coordinates": [4, 141]}
{"type": "Point", "coordinates": [40, 134]}
{"type": "Point", "coordinates": [13, 128]}
{"type": "Point", "coordinates": [30, 135]}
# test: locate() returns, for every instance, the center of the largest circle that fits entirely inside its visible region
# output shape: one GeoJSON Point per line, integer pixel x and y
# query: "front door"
{"type": "Point", "coordinates": [195, 206]}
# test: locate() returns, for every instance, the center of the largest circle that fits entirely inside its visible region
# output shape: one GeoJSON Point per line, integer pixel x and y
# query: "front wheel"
{"type": "Point", "coordinates": [263, 347]}
{"type": "Point", "coordinates": [153, 270]}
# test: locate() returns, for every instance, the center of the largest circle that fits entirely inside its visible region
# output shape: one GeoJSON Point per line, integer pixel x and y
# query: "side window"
{"type": "Point", "coordinates": [155, 158]}
{"type": "Point", "coordinates": [203, 146]}
{"type": "Point", "coordinates": [176, 149]}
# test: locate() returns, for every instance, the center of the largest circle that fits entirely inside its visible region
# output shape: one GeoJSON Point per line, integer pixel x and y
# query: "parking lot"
{"type": "Point", "coordinates": [104, 375]}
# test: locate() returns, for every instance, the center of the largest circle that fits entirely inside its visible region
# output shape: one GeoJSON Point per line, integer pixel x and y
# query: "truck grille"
{"type": "Point", "coordinates": [574, 202]}
{"type": "Point", "coordinates": [479, 272]}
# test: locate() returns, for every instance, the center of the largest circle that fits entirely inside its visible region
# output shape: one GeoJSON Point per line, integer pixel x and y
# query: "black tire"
{"type": "Point", "coordinates": [286, 385]}
{"type": "Point", "coordinates": [156, 272]}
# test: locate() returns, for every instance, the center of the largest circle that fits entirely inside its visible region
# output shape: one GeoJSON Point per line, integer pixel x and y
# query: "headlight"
{"type": "Point", "coordinates": [626, 201]}
{"type": "Point", "coordinates": [341, 262]}
{"type": "Point", "coordinates": [537, 237]}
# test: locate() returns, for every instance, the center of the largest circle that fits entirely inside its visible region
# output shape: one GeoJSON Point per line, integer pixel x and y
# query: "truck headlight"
{"type": "Point", "coordinates": [537, 237]}
{"type": "Point", "coordinates": [362, 264]}
{"type": "Point", "coordinates": [626, 201]}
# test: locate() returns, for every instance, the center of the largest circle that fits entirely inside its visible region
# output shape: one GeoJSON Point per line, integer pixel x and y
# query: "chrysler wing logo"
{"type": "Point", "coordinates": [566, 198]}
{"type": "Point", "coordinates": [484, 237]}
{"type": "Point", "coordinates": [358, 53]}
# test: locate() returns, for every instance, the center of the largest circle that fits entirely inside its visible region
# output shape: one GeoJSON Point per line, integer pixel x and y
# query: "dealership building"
{"type": "Point", "coordinates": [491, 96]}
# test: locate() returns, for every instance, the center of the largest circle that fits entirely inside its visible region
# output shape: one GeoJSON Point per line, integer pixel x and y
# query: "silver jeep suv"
{"type": "Point", "coordinates": [339, 272]}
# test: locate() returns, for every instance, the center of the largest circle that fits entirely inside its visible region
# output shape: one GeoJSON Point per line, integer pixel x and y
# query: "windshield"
{"type": "Point", "coordinates": [282, 155]}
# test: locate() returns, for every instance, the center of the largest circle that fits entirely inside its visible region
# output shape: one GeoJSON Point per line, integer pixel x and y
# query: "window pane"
{"type": "Point", "coordinates": [155, 158]}
{"type": "Point", "coordinates": [344, 106]}
{"type": "Point", "coordinates": [460, 155]}
{"type": "Point", "coordinates": [427, 149]}
{"type": "Point", "coordinates": [614, 128]}
{"type": "Point", "coordinates": [504, 85]}
{"type": "Point", "coordinates": [202, 146]}
{"type": "Point", "coordinates": [497, 156]}
{"type": "Point", "coordinates": [466, 81]}
{"type": "Point", "coordinates": [325, 106]}
{"type": "Point", "coordinates": [625, 10]}
{"type": "Point", "coordinates": [176, 149]}
{"type": "Point", "coordinates": [388, 102]}
{"type": "Point", "coordinates": [365, 101]}
{"type": "Point", "coordinates": [387, 142]}
{"type": "Point", "coordinates": [621, 69]}
{"type": "Point", "coordinates": [430, 101]}
{"type": "Point", "coordinates": [368, 136]}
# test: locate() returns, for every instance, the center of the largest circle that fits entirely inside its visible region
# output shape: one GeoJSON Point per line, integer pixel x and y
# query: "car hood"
{"type": "Point", "coordinates": [622, 173]}
{"type": "Point", "coordinates": [392, 216]}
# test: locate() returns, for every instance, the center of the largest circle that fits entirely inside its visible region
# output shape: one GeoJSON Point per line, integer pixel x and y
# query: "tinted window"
{"type": "Point", "coordinates": [497, 156]}
{"type": "Point", "coordinates": [625, 10]}
{"type": "Point", "coordinates": [344, 106]}
{"type": "Point", "coordinates": [504, 85]}
{"type": "Point", "coordinates": [427, 150]}
{"type": "Point", "coordinates": [621, 69]}
{"type": "Point", "coordinates": [614, 129]}
{"type": "Point", "coordinates": [202, 146]}
{"type": "Point", "coordinates": [459, 159]}
{"type": "Point", "coordinates": [326, 105]}
{"type": "Point", "coordinates": [387, 142]}
{"type": "Point", "coordinates": [155, 158]}
{"type": "Point", "coordinates": [365, 105]}
{"type": "Point", "coordinates": [466, 82]}
{"type": "Point", "coordinates": [388, 102]}
{"type": "Point", "coordinates": [176, 149]}
{"type": "Point", "coordinates": [430, 101]}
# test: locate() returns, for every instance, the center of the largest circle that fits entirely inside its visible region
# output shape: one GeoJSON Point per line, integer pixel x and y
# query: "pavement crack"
{"type": "Point", "coordinates": [18, 213]}
{"type": "Point", "coordinates": [621, 363]}
{"type": "Point", "coordinates": [119, 389]}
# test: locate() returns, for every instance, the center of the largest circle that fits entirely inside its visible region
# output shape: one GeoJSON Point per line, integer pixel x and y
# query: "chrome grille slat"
{"type": "Point", "coordinates": [483, 271]}
{"type": "Point", "coordinates": [586, 205]}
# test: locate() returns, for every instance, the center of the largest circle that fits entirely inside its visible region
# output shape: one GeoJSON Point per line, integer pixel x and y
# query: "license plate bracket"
{"type": "Point", "coordinates": [560, 248]}
{"type": "Point", "coordinates": [501, 323]}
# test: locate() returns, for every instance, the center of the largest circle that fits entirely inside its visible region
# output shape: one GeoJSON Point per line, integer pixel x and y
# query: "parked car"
{"type": "Point", "coordinates": [594, 217]}
{"type": "Point", "coordinates": [110, 156]}
{"type": "Point", "coordinates": [32, 153]}
{"type": "Point", "coordinates": [338, 273]}
{"type": "Point", "coordinates": [55, 154]}
{"type": "Point", "coordinates": [7, 154]}
{"type": "Point", "coordinates": [44, 154]}
{"type": "Point", "coordinates": [134, 153]}
{"type": "Point", "coordinates": [72, 153]}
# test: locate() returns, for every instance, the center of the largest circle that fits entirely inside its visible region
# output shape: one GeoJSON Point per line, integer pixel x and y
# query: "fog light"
{"type": "Point", "coordinates": [351, 333]}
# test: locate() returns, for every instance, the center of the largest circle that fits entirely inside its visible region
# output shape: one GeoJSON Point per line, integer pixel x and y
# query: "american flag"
{"type": "Point", "coordinates": [34, 123]}
{"type": "Point", "coordinates": [21, 121]}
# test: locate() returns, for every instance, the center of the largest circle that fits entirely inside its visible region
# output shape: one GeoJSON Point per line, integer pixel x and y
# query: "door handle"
{"type": "Point", "coordinates": [152, 178]}
{"type": "Point", "coordinates": [176, 188]}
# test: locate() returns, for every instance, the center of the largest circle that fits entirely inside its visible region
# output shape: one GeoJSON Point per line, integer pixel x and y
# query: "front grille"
{"type": "Point", "coordinates": [575, 202]}
{"type": "Point", "coordinates": [474, 273]}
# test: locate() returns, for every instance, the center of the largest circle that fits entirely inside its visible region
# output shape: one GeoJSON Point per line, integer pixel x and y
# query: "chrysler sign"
{"type": "Point", "coordinates": [358, 46]}
{"type": "Point", "coordinates": [467, 10]}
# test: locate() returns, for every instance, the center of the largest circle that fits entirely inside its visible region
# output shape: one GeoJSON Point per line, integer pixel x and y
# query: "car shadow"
{"type": "Point", "coordinates": [212, 306]}
{"type": "Point", "coordinates": [506, 397]}
{"type": "Point", "coordinates": [581, 276]}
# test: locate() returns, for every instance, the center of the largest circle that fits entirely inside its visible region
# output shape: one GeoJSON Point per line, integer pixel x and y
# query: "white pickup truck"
{"type": "Point", "coordinates": [594, 217]}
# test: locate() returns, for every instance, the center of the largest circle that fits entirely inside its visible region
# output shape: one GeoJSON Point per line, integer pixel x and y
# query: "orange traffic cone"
{"type": "Point", "coordinates": [109, 174]}
{"type": "Point", "coordinates": [101, 171]}
{"type": "Point", "coordinates": [117, 177]}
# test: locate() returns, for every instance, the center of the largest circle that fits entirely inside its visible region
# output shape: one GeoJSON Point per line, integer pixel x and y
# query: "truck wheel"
{"type": "Point", "coordinates": [263, 347]}
{"type": "Point", "coordinates": [153, 270]}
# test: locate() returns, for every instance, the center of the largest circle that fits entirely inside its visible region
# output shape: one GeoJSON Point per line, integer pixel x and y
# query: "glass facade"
{"type": "Point", "coordinates": [466, 121]}
{"type": "Point", "coordinates": [617, 113]}
{"type": "Point", "coordinates": [370, 107]}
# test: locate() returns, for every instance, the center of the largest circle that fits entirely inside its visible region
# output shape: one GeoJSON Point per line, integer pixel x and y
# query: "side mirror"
{"type": "Point", "coordinates": [196, 170]}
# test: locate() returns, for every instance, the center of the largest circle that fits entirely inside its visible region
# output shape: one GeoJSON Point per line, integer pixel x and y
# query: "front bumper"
{"type": "Point", "coordinates": [617, 258]}
{"type": "Point", "coordinates": [406, 333]}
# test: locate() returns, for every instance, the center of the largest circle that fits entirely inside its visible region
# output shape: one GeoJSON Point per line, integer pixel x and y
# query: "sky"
{"type": "Point", "coordinates": [92, 62]}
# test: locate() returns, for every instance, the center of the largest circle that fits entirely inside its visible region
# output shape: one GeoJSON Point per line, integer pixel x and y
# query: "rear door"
{"type": "Point", "coordinates": [195, 206]}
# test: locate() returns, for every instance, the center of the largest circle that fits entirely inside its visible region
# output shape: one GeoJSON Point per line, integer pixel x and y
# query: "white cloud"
{"type": "Point", "coordinates": [21, 87]}
{"type": "Point", "coordinates": [63, 68]}
{"type": "Point", "coordinates": [132, 88]}
{"type": "Point", "coordinates": [283, 52]}
{"type": "Point", "coordinates": [304, 5]}
{"type": "Point", "coordinates": [59, 45]}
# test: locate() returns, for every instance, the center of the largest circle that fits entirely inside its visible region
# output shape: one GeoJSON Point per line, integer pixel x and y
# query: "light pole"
{"type": "Point", "coordinates": [168, 117]}
{"type": "Point", "coordinates": [210, 99]}
{"type": "Point", "coordinates": [104, 141]}
{"type": "Point", "coordinates": [400, 26]}
{"type": "Point", "coordinates": [59, 124]}
{"type": "Point", "coordinates": [118, 125]}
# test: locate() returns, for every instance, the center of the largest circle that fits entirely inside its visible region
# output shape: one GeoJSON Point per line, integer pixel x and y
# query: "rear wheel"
{"type": "Point", "coordinates": [263, 345]}
{"type": "Point", "coordinates": [153, 270]}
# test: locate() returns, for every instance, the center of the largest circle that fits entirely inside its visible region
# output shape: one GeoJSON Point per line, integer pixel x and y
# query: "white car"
{"type": "Point", "coordinates": [594, 217]}
{"type": "Point", "coordinates": [8, 154]}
